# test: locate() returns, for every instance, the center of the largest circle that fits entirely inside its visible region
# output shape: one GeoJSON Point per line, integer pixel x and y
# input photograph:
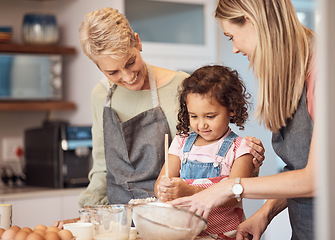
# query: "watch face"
{"type": "Point", "coordinates": [237, 189]}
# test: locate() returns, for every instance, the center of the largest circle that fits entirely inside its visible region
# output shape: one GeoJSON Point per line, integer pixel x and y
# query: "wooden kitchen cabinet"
{"type": "Point", "coordinates": [8, 105]}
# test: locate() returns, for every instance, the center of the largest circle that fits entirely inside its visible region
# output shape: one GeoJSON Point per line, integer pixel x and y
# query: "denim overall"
{"type": "Point", "coordinates": [195, 169]}
{"type": "Point", "coordinates": [222, 221]}
{"type": "Point", "coordinates": [134, 149]}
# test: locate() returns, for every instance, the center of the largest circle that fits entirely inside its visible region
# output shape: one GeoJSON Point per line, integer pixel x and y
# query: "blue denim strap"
{"type": "Point", "coordinates": [189, 142]}
{"type": "Point", "coordinates": [226, 144]}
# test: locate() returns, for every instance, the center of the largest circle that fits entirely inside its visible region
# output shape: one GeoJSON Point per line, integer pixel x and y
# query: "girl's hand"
{"type": "Point", "coordinates": [163, 183]}
{"type": "Point", "coordinates": [170, 189]}
{"type": "Point", "coordinates": [257, 150]}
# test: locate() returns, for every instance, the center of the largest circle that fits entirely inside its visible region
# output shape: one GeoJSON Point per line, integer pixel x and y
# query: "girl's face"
{"type": "Point", "coordinates": [243, 36]}
{"type": "Point", "coordinates": [207, 117]}
{"type": "Point", "coordinates": [129, 72]}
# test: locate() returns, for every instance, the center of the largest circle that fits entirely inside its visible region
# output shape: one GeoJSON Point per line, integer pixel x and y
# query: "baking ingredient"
{"type": "Point", "coordinates": [9, 234]}
{"type": "Point", "coordinates": [40, 227]}
{"type": "Point", "coordinates": [1, 232]}
{"type": "Point", "coordinates": [26, 229]}
{"type": "Point", "coordinates": [114, 236]}
{"type": "Point", "coordinates": [34, 236]}
{"type": "Point", "coordinates": [53, 229]}
{"type": "Point", "coordinates": [16, 228]}
{"type": "Point", "coordinates": [65, 234]}
{"type": "Point", "coordinates": [50, 235]}
{"type": "Point", "coordinates": [40, 232]}
{"type": "Point", "coordinates": [21, 235]}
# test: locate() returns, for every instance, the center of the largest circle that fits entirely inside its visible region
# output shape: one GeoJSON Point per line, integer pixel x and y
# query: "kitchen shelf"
{"type": "Point", "coordinates": [31, 105]}
{"type": "Point", "coordinates": [36, 49]}
{"type": "Point", "coordinates": [36, 105]}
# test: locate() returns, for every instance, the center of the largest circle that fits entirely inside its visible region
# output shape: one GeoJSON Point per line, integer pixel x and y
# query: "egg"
{"type": "Point", "coordinates": [34, 236]}
{"type": "Point", "coordinates": [50, 235]}
{"type": "Point", "coordinates": [26, 229]}
{"type": "Point", "coordinates": [65, 234]}
{"type": "Point", "coordinates": [40, 227]}
{"type": "Point", "coordinates": [53, 229]}
{"type": "Point", "coordinates": [1, 232]}
{"type": "Point", "coordinates": [40, 232]}
{"type": "Point", "coordinates": [16, 228]}
{"type": "Point", "coordinates": [21, 235]}
{"type": "Point", "coordinates": [9, 234]}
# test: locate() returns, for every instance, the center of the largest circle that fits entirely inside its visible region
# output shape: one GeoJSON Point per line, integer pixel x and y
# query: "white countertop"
{"type": "Point", "coordinates": [10, 192]}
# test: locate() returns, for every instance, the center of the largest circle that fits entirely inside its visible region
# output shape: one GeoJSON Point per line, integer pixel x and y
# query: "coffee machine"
{"type": "Point", "coordinates": [58, 155]}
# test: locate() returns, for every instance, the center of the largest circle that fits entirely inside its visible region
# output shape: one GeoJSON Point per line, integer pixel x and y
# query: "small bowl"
{"type": "Point", "coordinates": [158, 221]}
{"type": "Point", "coordinates": [40, 29]}
{"type": "Point", "coordinates": [81, 231]}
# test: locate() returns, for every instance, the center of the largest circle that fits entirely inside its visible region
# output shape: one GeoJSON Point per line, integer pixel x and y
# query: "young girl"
{"type": "Point", "coordinates": [210, 99]}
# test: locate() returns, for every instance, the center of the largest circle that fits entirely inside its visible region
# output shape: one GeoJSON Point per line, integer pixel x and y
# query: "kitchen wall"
{"type": "Point", "coordinates": [80, 75]}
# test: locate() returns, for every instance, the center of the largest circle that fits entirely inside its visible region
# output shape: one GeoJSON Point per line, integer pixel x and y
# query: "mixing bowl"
{"type": "Point", "coordinates": [158, 221]}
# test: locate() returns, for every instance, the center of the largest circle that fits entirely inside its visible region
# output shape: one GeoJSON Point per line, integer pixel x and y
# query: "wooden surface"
{"type": "Point", "coordinates": [36, 105]}
{"type": "Point", "coordinates": [36, 49]}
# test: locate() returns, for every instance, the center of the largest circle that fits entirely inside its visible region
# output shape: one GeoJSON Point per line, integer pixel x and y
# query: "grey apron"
{"type": "Point", "coordinates": [134, 150]}
{"type": "Point", "coordinates": [292, 143]}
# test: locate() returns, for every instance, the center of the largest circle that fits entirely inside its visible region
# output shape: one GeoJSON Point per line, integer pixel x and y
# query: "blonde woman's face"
{"type": "Point", "coordinates": [128, 72]}
{"type": "Point", "coordinates": [243, 36]}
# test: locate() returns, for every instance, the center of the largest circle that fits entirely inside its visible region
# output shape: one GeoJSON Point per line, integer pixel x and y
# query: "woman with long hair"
{"type": "Point", "coordinates": [281, 54]}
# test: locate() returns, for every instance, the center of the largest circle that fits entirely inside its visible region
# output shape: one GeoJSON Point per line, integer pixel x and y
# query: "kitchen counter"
{"type": "Point", "coordinates": [16, 193]}
{"type": "Point", "coordinates": [40, 205]}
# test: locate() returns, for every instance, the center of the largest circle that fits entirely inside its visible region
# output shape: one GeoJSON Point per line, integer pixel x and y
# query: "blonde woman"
{"type": "Point", "coordinates": [280, 51]}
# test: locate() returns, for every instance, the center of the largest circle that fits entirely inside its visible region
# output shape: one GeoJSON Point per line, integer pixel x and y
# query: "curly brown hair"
{"type": "Point", "coordinates": [220, 82]}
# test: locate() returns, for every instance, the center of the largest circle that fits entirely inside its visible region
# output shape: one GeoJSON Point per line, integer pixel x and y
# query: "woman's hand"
{"type": "Point", "coordinates": [252, 228]}
{"type": "Point", "coordinates": [257, 150]}
{"type": "Point", "coordinates": [170, 189]}
{"type": "Point", "coordinates": [60, 224]}
{"type": "Point", "coordinates": [203, 202]}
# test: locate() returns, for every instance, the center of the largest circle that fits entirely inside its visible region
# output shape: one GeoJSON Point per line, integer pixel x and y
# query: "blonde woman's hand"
{"type": "Point", "coordinates": [257, 150]}
{"type": "Point", "coordinates": [252, 228]}
{"type": "Point", "coordinates": [203, 202]}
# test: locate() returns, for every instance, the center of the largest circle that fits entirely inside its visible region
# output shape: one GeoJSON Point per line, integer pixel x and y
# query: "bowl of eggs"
{"type": "Point", "coordinates": [39, 232]}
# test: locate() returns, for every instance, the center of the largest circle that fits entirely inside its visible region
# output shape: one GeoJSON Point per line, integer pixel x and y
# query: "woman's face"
{"type": "Point", "coordinates": [128, 72]}
{"type": "Point", "coordinates": [243, 36]}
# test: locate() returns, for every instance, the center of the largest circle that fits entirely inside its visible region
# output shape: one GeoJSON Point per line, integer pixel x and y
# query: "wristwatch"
{"type": "Point", "coordinates": [237, 189]}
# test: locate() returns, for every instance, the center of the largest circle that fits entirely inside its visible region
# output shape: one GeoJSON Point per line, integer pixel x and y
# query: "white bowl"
{"type": "Point", "coordinates": [81, 231]}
